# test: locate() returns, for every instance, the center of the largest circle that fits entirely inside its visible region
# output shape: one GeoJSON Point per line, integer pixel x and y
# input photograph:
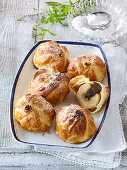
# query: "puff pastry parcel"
{"type": "Point", "coordinates": [91, 66]}
{"type": "Point", "coordinates": [91, 95]}
{"type": "Point", "coordinates": [51, 54]}
{"type": "Point", "coordinates": [34, 113]}
{"type": "Point", "coordinates": [54, 87]}
{"type": "Point", "coordinates": [74, 124]}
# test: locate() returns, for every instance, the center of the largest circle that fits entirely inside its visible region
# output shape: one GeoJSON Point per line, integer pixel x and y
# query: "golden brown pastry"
{"type": "Point", "coordinates": [51, 54]}
{"type": "Point", "coordinates": [74, 124]}
{"type": "Point", "coordinates": [34, 113]}
{"type": "Point", "coordinates": [91, 66]}
{"type": "Point", "coordinates": [54, 87]}
{"type": "Point", "coordinates": [91, 95]}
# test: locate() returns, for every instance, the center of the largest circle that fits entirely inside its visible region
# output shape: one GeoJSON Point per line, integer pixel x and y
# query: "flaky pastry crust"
{"type": "Point", "coordinates": [92, 66]}
{"type": "Point", "coordinates": [51, 55]}
{"type": "Point", "coordinates": [34, 113]}
{"type": "Point", "coordinates": [54, 87]}
{"type": "Point", "coordinates": [74, 124]}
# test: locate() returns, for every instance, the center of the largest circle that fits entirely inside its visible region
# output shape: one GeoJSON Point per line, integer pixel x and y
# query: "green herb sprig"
{"type": "Point", "coordinates": [56, 13]}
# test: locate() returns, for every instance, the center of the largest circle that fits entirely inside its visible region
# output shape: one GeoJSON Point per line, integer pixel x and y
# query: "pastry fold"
{"type": "Point", "coordinates": [74, 124]}
{"type": "Point", "coordinates": [51, 55]}
{"type": "Point", "coordinates": [92, 66]}
{"type": "Point", "coordinates": [54, 87]}
{"type": "Point", "coordinates": [34, 113]}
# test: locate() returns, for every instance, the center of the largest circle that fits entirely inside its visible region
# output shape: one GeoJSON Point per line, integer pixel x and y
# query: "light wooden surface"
{"type": "Point", "coordinates": [15, 42]}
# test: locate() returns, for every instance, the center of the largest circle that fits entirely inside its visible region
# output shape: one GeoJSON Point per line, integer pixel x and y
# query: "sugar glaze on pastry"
{"type": "Point", "coordinates": [34, 113]}
{"type": "Point", "coordinates": [90, 94]}
{"type": "Point", "coordinates": [92, 66]}
{"type": "Point", "coordinates": [74, 124]}
{"type": "Point", "coordinates": [51, 54]}
{"type": "Point", "coordinates": [54, 87]}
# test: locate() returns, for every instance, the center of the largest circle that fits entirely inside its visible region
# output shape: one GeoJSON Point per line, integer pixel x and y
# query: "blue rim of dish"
{"type": "Point", "coordinates": [16, 80]}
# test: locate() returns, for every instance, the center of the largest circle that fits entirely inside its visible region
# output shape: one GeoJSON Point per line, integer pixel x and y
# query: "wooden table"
{"type": "Point", "coordinates": [15, 42]}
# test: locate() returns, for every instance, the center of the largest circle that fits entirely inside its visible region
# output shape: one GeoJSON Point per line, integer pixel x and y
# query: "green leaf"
{"type": "Point", "coordinates": [71, 3]}
{"type": "Point", "coordinates": [60, 19]}
{"type": "Point", "coordinates": [32, 35]}
{"type": "Point", "coordinates": [42, 35]}
{"type": "Point", "coordinates": [42, 19]}
{"type": "Point", "coordinates": [46, 21]}
{"type": "Point", "coordinates": [66, 10]}
{"type": "Point", "coordinates": [51, 17]}
{"type": "Point", "coordinates": [63, 23]}
{"type": "Point", "coordinates": [53, 3]}
{"type": "Point", "coordinates": [51, 33]}
{"type": "Point", "coordinates": [34, 8]}
{"type": "Point", "coordinates": [42, 29]}
{"type": "Point", "coordinates": [19, 19]}
{"type": "Point", "coordinates": [56, 4]}
{"type": "Point", "coordinates": [35, 26]}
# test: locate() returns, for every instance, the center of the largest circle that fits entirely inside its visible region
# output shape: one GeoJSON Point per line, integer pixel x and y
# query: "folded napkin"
{"type": "Point", "coordinates": [105, 152]}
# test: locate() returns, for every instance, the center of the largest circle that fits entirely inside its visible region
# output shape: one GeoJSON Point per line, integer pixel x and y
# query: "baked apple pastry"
{"type": "Point", "coordinates": [54, 87]}
{"type": "Point", "coordinates": [51, 55]}
{"type": "Point", "coordinates": [34, 113]}
{"type": "Point", "coordinates": [91, 95]}
{"type": "Point", "coordinates": [92, 66]}
{"type": "Point", "coordinates": [74, 124]}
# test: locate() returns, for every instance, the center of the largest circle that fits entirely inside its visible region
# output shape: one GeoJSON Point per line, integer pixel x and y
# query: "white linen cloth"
{"type": "Point", "coordinates": [105, 152]}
